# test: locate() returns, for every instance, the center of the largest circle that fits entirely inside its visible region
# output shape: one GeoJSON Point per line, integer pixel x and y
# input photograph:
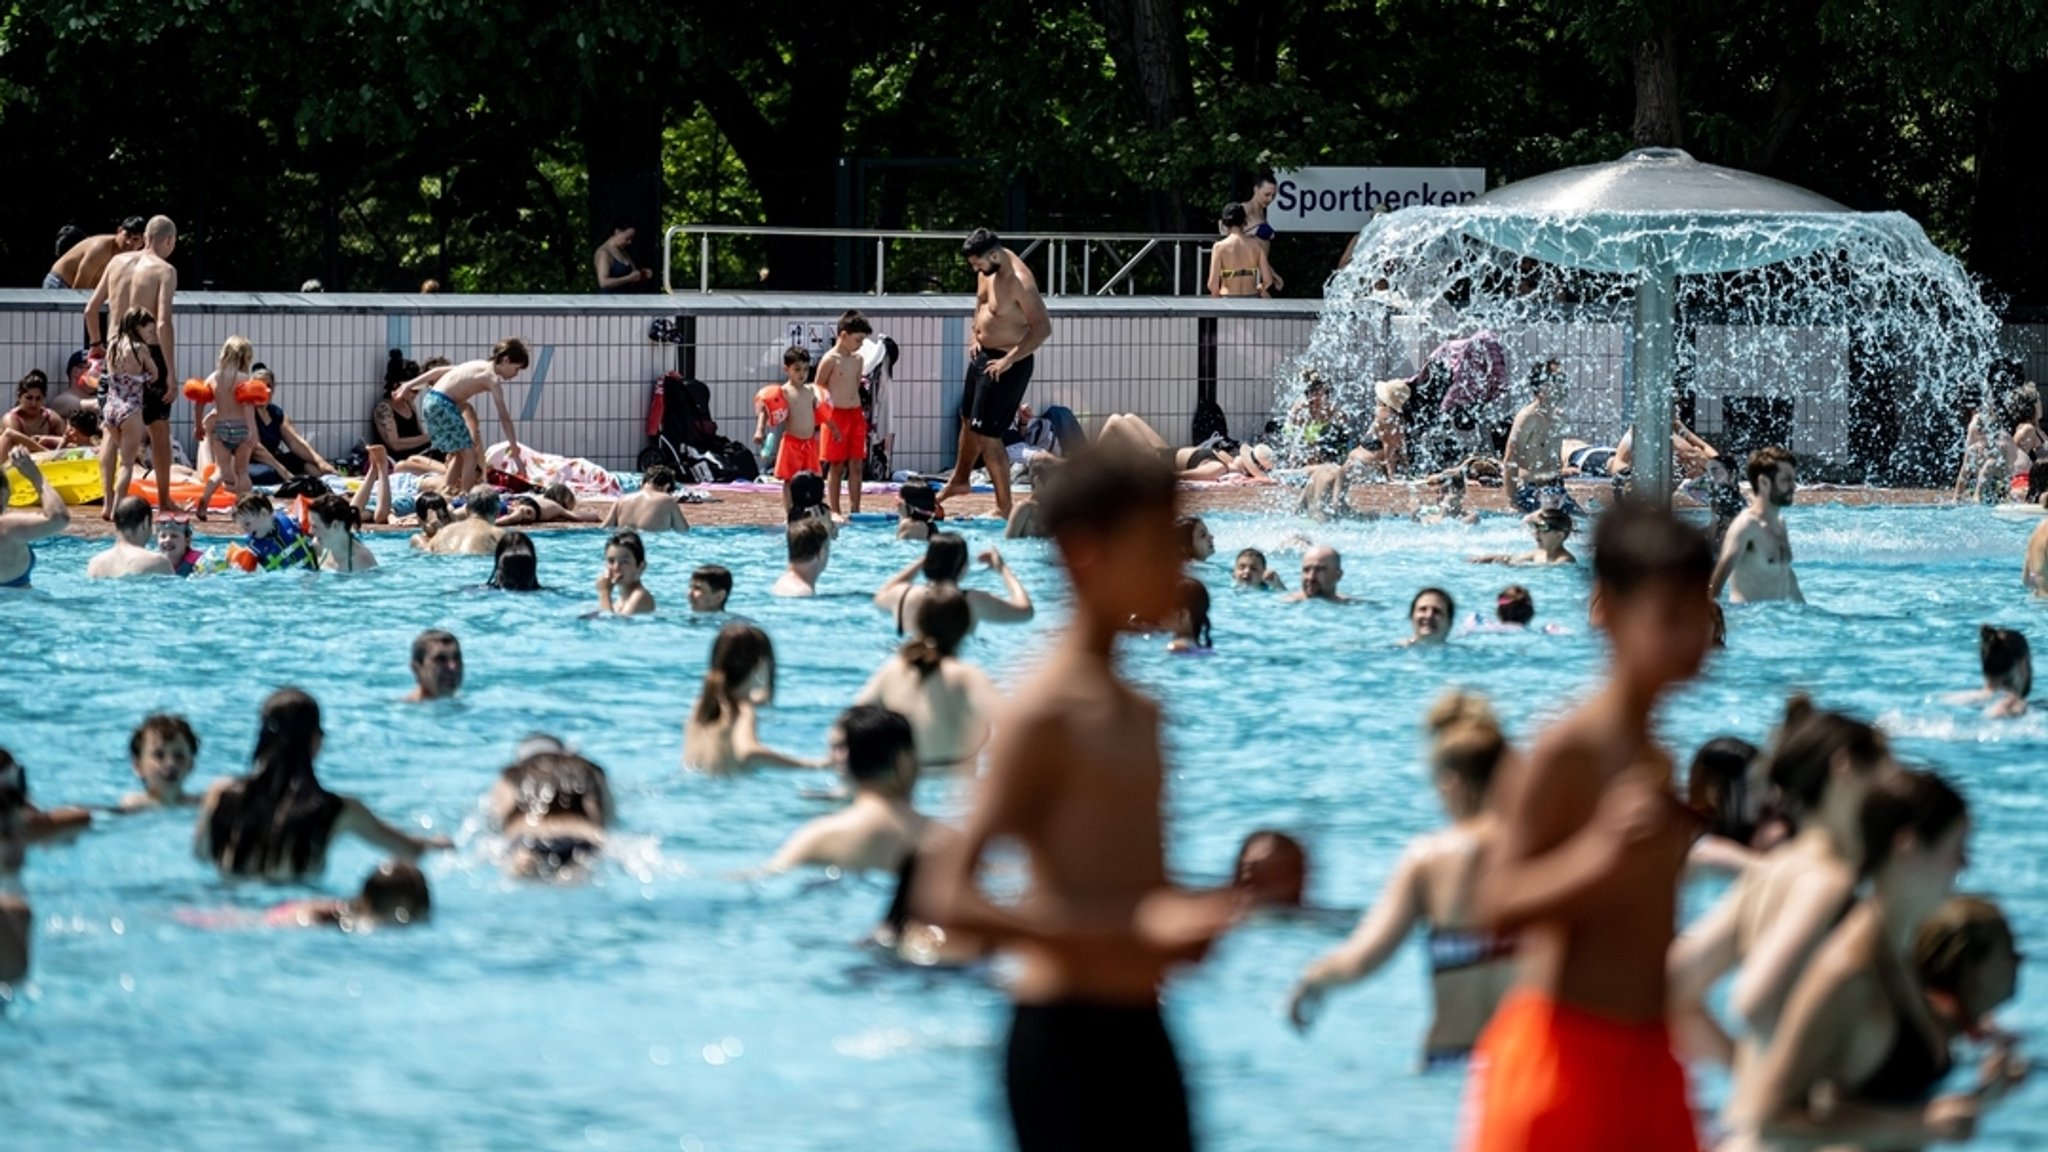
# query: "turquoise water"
{"type": "Point", "coordinates": [670, 1005]}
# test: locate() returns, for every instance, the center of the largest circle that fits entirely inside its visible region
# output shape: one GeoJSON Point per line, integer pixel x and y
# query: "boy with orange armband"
{"type": "Point", "coordinates": [1593, 840]}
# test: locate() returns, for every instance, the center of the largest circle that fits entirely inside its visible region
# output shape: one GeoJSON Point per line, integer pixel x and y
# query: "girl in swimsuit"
{"type": "Point", "coordinates": [1433, 885]}
{"type": "Point", "coordinates": [130, 369]}
{"type": "Point", "coordinates": [552, 808]}
{"type": "Point", "coordinates": [948, 701]}
{"type": "Point", "coordinates": [722, 735]}
{"type": "Point", "coordinates": [944, 564]}
{"type": "Point", "coordinates": [334, 522]}
{"type": "Point", "coordinates": [233, 440]}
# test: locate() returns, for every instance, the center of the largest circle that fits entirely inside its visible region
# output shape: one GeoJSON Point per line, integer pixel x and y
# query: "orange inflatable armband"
{"type": "Point", "coordinates": [198, 391]}
{"type": "Point", "coordinates": [253, 391]}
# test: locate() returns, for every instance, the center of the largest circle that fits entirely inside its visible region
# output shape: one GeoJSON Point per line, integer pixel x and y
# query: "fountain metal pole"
{"type": "Point", "coordinates": [1655, 348]}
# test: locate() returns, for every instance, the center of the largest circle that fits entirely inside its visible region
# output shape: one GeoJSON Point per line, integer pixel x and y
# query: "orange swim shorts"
{"type": "Point", "coordinates": [1547, 1076]}
{"type": "Point", "coordinates": [796, 456]}
{"type": "Point", "coordinates": [844, 435]}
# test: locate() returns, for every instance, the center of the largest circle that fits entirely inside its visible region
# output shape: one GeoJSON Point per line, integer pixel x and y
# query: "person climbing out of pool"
{"type": "Point", "coordinates": [1076, 779]}
{"type": "Point", "coordinates": [133, 552]}
{"type": "Point", "coordinates": [802, 401]}
{"type": "Point", "coordinates": [444, 403]}
{"type": "Point", "coordinates": [710, 585]}
{"type": "Point", "coordinates": [475, 534]}
{"type": "Point", "coordinates": [1191, 630]}
{"type": "Point", "coordinates": [843, 434]}
{"type": "Point", "coordinates": [1857, 1028]}
{"type": "Point", "coordinates": [1249, 570]}
{"type": "Point", "coordinates": [1822, 766]}
{"type": "Point", "coordinates": [1551, 527]}
{"type": "Point", "coordinates": [1585, 869]}
{"type": "Point", "coordinates": [2008, 665]}
{"type": "Point", "coordinates": [619, 590]}
{"type": "Point", "coordinates": [944, 565]}
{"type": "Point", "coordinates": [1756, 555]}
{"type": "Point", "coordinates": [949, 703]}
{"type": "Point", "coordinates": [1197, 543]}
{"type": "Point", "coordinates": [1430, 615]}
{"type": "Point", "coordinates": [722, 735]}
{"type": "Point", "coordinates": [1718, 489]}
{"type": "Point", "coordinates": [334, 519]}
{"type": "Point", "coordinates": [1529, 463]}
{"type": "Point", "coordinates": [553, 809]}
{"type": "Point", "coordinates": [161, 752]}
{"type": "Point", "coordinates": [17, 919]}
{"type": "Point", "coordinates": [1433, 885]}
{"type": "Point", "coordinates": [1322, 569]}
{"type": "Point", "coordinates": [880, 829]}
{"type": "Point", "coordinates": [277, 822]}
{"type": "Point", "coordinates": [436, 666]}
{"type": "Point", "coordinates": [652, 509]}
{"type": "Point", "coordinates": [1010, 322]}
{"type": "Point", "coordinates": [394, 895]}
{"type": "Point", "coordinates": [554, 504]}
{"type": "Point", "coordinates": [916, 511]}
{"type": "Point", "coordinates": [515, 566]}
{"type": "Point", "coordinates": [273, 540]}
{"type": "Point", "coordinates": [810, 550]}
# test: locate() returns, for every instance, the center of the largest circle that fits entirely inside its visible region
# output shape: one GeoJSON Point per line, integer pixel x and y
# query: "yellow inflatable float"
{"type": "Point", "coordinates": [76, 479]}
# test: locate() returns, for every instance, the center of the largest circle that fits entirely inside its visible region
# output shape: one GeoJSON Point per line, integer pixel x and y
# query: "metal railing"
{"type": "Point", "coordinates": [1066, 256]}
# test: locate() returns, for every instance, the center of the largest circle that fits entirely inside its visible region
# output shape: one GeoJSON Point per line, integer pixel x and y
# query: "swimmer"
{"type": "Point", "coordinates": [710, 584]}
{"type": "Point", "coordinates": [174, 540]}
{"type": "Point", "coordinates": [443, 398]}
{"type": "Point", "coordinates": [625, 560]}
{"type": "Point", "coordinates": [432, 512]}
{"type": "Point", "coordinates": [721, 737]}
{"type": "Point", "coordinates": [944, 565]}
{"type": "Point", "coordinates": [334, 522]}
{"type": "Point", "coordinates": [805, 495]}
{"type": "Point", "coordinates": [916, 510]}
{"type": "Point", "coordinates": [19, 528]}
{"type": "Point", "coordinates": [272, 536]}
{"type": "Point", "coordinates": [810, 550]}
{"type": "Point", "coordinates": [1726, 784]}
{"type": "Point", "coordinates": [17, 919]}
{"type": "Point", "coordinates": [1430, 615]}
{"type": "Point", "coordinates": [41, 825]}
{"type": "Point", "coordinates": [880, 829]}
{"type": "Point", "coordinates": [1551, 528]}
{"type": "Point", "coordinates": [1432, 885]}
{"type": "Point", "coordinates": [1023, 522]}
{"type": "Point", "coordinates": [161, 752]}
{"type": "Point", "coordinates": [1586, 867]}
{"type": "Point", "coordinates": [436, 666]}
{"type": "Point", "coordinates": [1718, 489]}
{"type": "Point", "coordinates": [1076, 779]}
{"type": "Point", "coordinates": [1322, 569]}
{"type": "Point", "coordinates": [552, 808]}
{"type": "Point", "coordinates": [553, 504]}
{"type": "Point", "coordinates": [949, 702]}
{"type": "Point", "coordinates": [652, 509]}
{"type": "Point", "coordinates": [2008, 666]}
{"type": "Point", "coordinates": [515, 567]}
{"type": "Point", "coordinates": [1529, 463]}
{"type": "Point", "coordinates": [2034, 572]}
{"type": "Point", "coordinates": [132, 553]}
{"type": "Point", "coordinates": [1249, 571]}
{"type": "Point", "coordinates": [476, 534]}
{"type": "Point", "coordinates": [1451, 509]}
{"type": "Point", "coordinates": [1191, 631]}
{"type": "Point", "coordinates": [393, 896]}
{"type": "Point", "coordinates": [1515, 608]}
{"type": "Point", "coordinates": [1272, 870]}
{"type": "Point", "coordinates": [1968, 963]}
{"type": "Point", "coordinates": [1196, 542]}
{"type": "Point", "coordinates": [1756, 556]}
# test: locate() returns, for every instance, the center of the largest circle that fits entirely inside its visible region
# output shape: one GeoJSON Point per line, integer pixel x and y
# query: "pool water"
{"type": "Point", "coordinates": [669, 1004]}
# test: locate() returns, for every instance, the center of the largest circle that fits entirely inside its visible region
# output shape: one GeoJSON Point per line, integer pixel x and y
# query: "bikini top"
{"type": "Point", "coordinates": [1911, 1070]}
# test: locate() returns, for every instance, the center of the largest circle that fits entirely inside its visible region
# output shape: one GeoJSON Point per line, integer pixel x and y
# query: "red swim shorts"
{"type": "Point", "coordinates": [1550, 1076]}
{"type": "Point", "coordinates": [844, 436]}
{"type": "Point", "coordinates": [795, 456]}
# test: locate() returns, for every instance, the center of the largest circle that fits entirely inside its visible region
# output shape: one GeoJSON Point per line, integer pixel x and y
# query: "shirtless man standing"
{"type": "Point", "coordinates": [134, 552]}
{"type": "Point", "coordinates": [1756, 555]}
{"type": "Point", "coordinates": [1010, 323]}
{"type": "Point", "coordinates": [1530, 463]}
{"type": "Point", "coordinates": [1237, 265]}
{"type": "Point", "coordinates": [145, 279]}
{"type": "Point", "coordinates": [651, 509]}
{"type": "Point", "coordinates": [82, 265]}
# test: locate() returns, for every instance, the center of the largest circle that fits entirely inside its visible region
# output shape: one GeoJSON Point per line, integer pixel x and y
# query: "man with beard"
{"type": "Point", "coordinates": [1010, 323]}
{"type": "Point", "coordinates": [1756, 555]}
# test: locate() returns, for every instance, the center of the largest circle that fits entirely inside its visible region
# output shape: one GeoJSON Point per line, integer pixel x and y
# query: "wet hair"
{"type": "Point", "coordinates": [943, 620]}
{"type": "Point", "coordinates": [806, 490]}
{"type": "Point", "coordinates": [1962, 934]}
{"type": "Point", "coordinates": [511, 350]}
{"type": "Point", "coordinates": [1450, 605]}
{"type": "Point", "coordinates": [629, 540]}
{"type": "Point", "coordinates": [714, 577]}
{"type": "Point", "coordinates": [659, 477]}
{"type": "Point", "coordinates": [483, 502]}
{"type": "Point", "coordinates": [1097, 493]}
{"type": "Point", "coordinates": [431, 504]}
{"type": "Point", "coordinates": [334, 508]}
{"type": "Point", "coordinates": [557, 783]}
{"type": "Point", "coordinates": [278, 818]}
{"type": "Point", "coordinates": [1465, 739]}
{"type": "Point", "coordinates": [167, 727]}
{"type": "Point", "coordinates": [397, 891]}
{"type": "Point", "coordinates": [561, 494]}
{"type": "Point", "coordinates": [739, 649]}
{"type": "Point", "coordinates": [920, 503]}
{"type": "Point", "coordinates": [980, 242]}
{"type": "Point", "coordinates": [1233, 216]}
{"type": "Point", "coordinates": [808, 539]}
{"type": "Point", "coordinates": [1285, 854]}
{"type": "Point", "coordinates": [1921, 804]}
{"type": "Point", "coordinates": [1515, 605]}
{"type": "Point", "coordinates": [254, 504]}
{"type": "Point", "coordinates": [1763, 464]}
{"type": "Point", "coordinates": [1637, 543]}
{"type": "Point", "coordinates": [429, 640]}
{"type": "Point", "coordinates": [795, 355]}
{"type": "Point", "coordinates": [1194, 600]}
{"type": "Point", "coordinates": [515, 566]}
{"type": "Point", "coordinates": [34, 381]}
{"type": "Point", "coordinates": [1804, 751]}
{"type": "Point", "coordinates": [1717, 784]}
{"type": "Point", "coordinates": [876, 740]}
{"type": "Point", "coordinates": [1185, 527]}
{"type": "Point", "coordinates": [853, 321]}
{"type": "Point", "coordinates": [945, 558]}
{"type": "Point", "coordinates": [2004, 654]}
{"type": "Point", "coordinates": [1554, 520]}
{"type": "Point", "coordinates": [131, 512]}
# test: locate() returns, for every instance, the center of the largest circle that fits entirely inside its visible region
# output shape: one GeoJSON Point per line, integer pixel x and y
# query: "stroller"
{"type": "Point", "coordinates": [878, 356]}
{"type": "Point", "coordinates": [682, 434]}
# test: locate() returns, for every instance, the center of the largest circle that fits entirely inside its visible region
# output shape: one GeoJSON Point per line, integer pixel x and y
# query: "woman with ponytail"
{"type": "Point", "coordinates": [277, 822]}
{"type": "Point", "coordinates": [944, 565]}
{"type": "Point", "coordinates": [947, 700]}
{"type": "Point", "coordinates": [722, 737]}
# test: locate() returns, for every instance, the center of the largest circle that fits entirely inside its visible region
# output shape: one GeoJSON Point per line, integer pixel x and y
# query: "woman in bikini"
{"type": "Point", "coordinates": [722, 735]}
{"type": "Point", "coordinates": [948, 701]}
{"type": "Point", "coordinates": [1215, 460]}
{"type": "Point", "coordinates": [1237, 264]}
{"type": "Point", "coordinates": [944, 565]}
{"type": "Point", "coordinates": [130, 369]}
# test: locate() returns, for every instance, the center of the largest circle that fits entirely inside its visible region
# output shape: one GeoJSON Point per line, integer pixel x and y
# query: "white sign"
{"type": "Point", "coordinates": [1343, 199]}
{"type": "Point", "coordinates": [813, 336]}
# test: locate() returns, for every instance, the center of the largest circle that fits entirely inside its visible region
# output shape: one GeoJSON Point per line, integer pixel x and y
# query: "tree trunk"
{"type": "Point", "coordinates": [2008, 233]}
{"type": "Point", "coordinates": [1150, 48]}
{"type": "Point", "coordinates": [1657, 116]}
{"type": "Point", "coordinates": [622, 152]}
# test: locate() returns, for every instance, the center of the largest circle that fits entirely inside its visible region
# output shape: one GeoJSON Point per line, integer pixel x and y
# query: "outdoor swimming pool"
{"type": "Point", "coordinates": [668, 1005]}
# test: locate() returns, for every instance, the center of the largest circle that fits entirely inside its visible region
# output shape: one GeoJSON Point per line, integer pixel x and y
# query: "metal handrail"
{"type": "Point", "coordinates": [1056, 245]}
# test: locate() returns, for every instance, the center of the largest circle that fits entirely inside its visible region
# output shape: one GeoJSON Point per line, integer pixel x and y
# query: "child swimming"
{"type": "Point", "coordinates": [710, 584]}
{"type": "Point", "coordinates": [1249, 570]}
{"type": "Point", "coordinates": [881, 828]}
{"type": "Point", "coordinates": [393, 896]}
{"type": "Point", "coordinates": [1191, 631]}
{"type": "Point", "coordinates": [619, 590]}
{"type": "Point", "coordinates": [274, 541]}
{"type": "Point", "coordinates": [161, 753]}
{"type": "Point", "coordinates": [721, 737]}
{"type": "Point", "coordinates": [552, 808]}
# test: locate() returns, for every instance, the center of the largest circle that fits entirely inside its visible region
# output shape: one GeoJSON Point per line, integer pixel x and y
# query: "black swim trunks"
{"type": "Point", "coordinates": [156, 398]}
{"type": "Point", "coordinates": [990, 405]}
{"type": "Point", "coordinates": [1095, 1076]}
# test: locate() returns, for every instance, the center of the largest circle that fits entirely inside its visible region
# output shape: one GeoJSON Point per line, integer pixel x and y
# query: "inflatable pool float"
{"type": "Point", "coordinates": [185, 495]}
{"type": "Point", "coordinates": [77, 480]}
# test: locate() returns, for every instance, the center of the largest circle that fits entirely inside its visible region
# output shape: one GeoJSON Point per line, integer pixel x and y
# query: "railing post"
{"type": "Point", "coordinates": [668, 245]}
{"type": "Point", "coordinates": [704, 264]}
{"type": "Point", "coordinates": [879, 242]}
{"type": "Point", "coordinates": [1087, 267]}
{"type": "Point", "coordinates": [1176, 267]}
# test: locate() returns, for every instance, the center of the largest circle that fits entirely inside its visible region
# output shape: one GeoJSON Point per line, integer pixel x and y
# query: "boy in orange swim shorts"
{"type": "Point", "coordinates": [798, 451]}
{"type": "Point", "coordinates": [845, 436]}
{"type": "Point", "coordinates": [1586, 869]}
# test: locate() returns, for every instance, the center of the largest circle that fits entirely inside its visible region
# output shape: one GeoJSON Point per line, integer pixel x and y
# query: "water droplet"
{"type": "Point", "coordinates": [659, 1055]}
{"type": "Point", "coordinates": [127, 982]}
{"type": "Point", "coordinates": [117, 926]}
{"type": "Point", "coordinates": [733, 1047]}
{"type": "Point", "coordinates": [714, 1055]}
